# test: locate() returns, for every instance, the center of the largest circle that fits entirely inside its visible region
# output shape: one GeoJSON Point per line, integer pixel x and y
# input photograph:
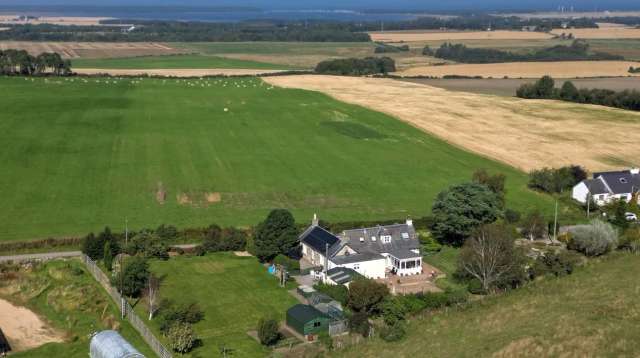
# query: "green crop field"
{"type": "Point", "coordinates": [233, 292]}
{"type": "Point", "coordinates": [595, 312]}
{"type": "Point", "coordinates": [79, 154]}
{"type": "Point", "coordinates": [67, 297]}
{"type": "Point", "coordinates": [174, 62]}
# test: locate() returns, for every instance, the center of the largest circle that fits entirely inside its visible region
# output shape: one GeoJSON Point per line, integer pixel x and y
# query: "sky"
{"type": "Point", "coordinates": [433, 5]}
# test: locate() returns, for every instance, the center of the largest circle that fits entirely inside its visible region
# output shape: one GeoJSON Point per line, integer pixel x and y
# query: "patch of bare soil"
{"type": "Point", "coordinates": [183, 199]}
{"type": "Point", "coordinates": [175, 72]}
{"type": "Point", "coordinates": [24, 329]}
{"type": "Point", "coordinates": [567, 69]}
{"type": "Point", "coordinates": [214, 197]}
{"type": "Point", "coordinates": [527, 134]}
{"type": "Point", "coordinates": [242, 253]}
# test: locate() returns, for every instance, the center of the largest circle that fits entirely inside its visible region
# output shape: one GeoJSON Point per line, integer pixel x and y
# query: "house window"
{"type": "Point", "coordinates": [317, 324]}
{"type": "Point", "coordinates": [405, 235]}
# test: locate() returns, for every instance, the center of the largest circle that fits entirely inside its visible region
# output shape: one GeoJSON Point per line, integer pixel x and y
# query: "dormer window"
{"type": "Point", "coordinates": [386, 239]}
{"type": "Point", "coordinates": [405, 235]}
{"type": "Point", "coordinates": [373, 238]}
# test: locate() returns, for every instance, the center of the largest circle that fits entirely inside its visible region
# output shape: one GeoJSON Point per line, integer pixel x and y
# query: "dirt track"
{"type": "Point", "coordinates": [175, 72]}
{"type": "Point", "coordinates": [526, 134]}
{"type": "Point", "coordinates": [23, 328]}
{"type": "Point", "coordinates": [568, 69]}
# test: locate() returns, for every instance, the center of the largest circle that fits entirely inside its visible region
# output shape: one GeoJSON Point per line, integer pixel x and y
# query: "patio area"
{"type": "Point", "coordinates": [423, 282]}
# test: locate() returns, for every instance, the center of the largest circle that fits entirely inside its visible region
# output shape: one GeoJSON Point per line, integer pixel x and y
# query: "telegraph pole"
{"type": "Point", "coordinates": [555, 224]}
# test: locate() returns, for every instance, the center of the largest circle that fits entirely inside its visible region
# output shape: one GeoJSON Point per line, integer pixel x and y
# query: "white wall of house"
{"type": "Point", "coordinates": [370, 269]}
{"type": "Point", "coordinates": [580, 192]}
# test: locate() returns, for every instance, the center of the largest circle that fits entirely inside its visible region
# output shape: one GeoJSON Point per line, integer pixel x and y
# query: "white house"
{"type": "Point", "coordinates": [608, 186]}
{"type": "Point", "coordinates": [374, 252]}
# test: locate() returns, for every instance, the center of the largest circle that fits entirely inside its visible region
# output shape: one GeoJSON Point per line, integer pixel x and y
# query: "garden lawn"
{"type": "Point", "coordinates": [66, 295]}
{"type": "Point", "coordinates": [79, 154]}
{"type": "Point", "coordinates": [234, 293]}
{"type": "Point", "coordinates": [174, 62]}
{"type": "Point", "coordinates": [595, 312]}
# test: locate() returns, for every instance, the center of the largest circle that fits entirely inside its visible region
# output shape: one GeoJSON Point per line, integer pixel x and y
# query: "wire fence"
{"type": "Point", "coordinates": [126, 309]}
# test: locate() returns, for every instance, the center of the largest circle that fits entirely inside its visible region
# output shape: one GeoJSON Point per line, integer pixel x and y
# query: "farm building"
{"type": "Point", "coordinates": [4, 344]}
{"type": "Point", "coordinates": [307, 320]}
{"type": "Point", "coordinates": [110, 344]}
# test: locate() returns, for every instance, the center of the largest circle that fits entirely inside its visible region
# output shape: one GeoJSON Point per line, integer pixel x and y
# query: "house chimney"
{"type": "Point", "coordinates": [314, 221]}
{"type": "Point", "coordinates": [409, 221]}
{"type": "Point", "coordinates": [635, 171]}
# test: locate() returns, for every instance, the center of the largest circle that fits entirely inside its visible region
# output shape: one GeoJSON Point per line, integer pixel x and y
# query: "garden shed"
{"type": "Point", "coordinates": [110, 344]}
{"type": "Point", "coordinates": [307, 320]}
{"type": "Point", "coordinates": [4, 344]}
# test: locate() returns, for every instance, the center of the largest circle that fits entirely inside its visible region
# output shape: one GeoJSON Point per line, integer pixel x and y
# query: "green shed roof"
{"type": "Point", "coordinates": [305, 313]}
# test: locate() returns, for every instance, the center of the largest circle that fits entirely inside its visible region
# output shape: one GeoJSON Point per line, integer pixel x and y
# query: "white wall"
{"type": "Point", "coordinates": [370, 269]}
{"type": "Point", "coordinates": [580, 192]}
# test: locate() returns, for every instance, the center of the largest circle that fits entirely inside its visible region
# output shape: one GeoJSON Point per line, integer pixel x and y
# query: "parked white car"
{"type": "Point", "coordinates": [631, 216]}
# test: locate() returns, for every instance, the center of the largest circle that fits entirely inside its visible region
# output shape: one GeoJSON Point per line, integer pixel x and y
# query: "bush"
{"type": "Point", "coordinates": [630, 241]}
{"type": "Point", "coordinates": [594, 239]}
{"type": "Point", "coordinates": [511, 216]}
{"type": "Point", "coordinates": [268, 332]}
{"type": "Point", "coordinates": [288, 263]}
{"type": "Point", "coordinates": [337, 292]}
{"type": "Point", "coordinates": [367, 296]}
{"type": "Point", "coordinates": [359, 323]}
{"type": "Point", "coordinates": [393, 311]}
{"type": "Point", "coordinates": [133, 277]}
{"type": "Point", "coordinates": [556, 263]}
{"type": "Point", "coordinates": [171, 314]}
{"type": "Point", "coordinates": [393, 333]}
{"type": "Point", "coordinates": [551, 180]}
{"type": "Point", "coordinates": [181, 337]}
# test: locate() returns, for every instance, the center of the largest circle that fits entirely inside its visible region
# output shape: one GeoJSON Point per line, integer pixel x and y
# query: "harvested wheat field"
{"type": "Point", "coordinates": [23, 328]}
{"type": "Point", "coordinates": [175, 72]}
{"type": "Point", "coordinates": [526, 134]}
{"type": "Point", "coordinates": [92, 49]}
{"type": "Point", "coordinates": [413, 36]}
{"type": "Point", "coordinates": [568, 69]}
{"type": "Point", "coordinates": [605, 32]}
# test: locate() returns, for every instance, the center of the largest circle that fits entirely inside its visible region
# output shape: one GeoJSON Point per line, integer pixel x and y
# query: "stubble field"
{"type": "Point", "coordinates": [73, 50]}
{"type": "Point", "coordinates": [527, 134]}
{"type": "Point", "coordinates": [415, 36]}
{"type": "Point", "coordinates": [80, 154]}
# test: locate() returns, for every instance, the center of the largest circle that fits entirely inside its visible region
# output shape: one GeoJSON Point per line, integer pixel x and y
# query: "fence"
{"type": "Point", "coordinates": [338, 327]}
{"type": "Point", "coordinates": [126, 309]}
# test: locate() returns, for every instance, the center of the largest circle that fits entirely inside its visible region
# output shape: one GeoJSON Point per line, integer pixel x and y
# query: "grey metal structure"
{"type": "Point", "coordinates": [110, 344]}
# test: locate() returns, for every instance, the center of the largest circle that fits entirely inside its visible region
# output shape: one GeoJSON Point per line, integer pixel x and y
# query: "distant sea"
{"type": "Point", "coordinates": [205, 14]}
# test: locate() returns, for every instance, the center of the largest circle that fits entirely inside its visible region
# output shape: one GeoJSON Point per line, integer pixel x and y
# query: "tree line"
{"type": "Point", "coordinates": [357, 66]}
{"type": "Point", "coordinates": [577, 51]}
{"type": "Point", "coordinates": [480, 22]}
{"type": "Point", "coordinates": [175, 31]}
{"type": "Point", "coordinates": [544, 88]}
{"type": "Point", "coordinates": [20, 62]}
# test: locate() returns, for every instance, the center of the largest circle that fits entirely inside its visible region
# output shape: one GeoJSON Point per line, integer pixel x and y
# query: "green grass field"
{"type": "Point", "coordinates": [234, 293]}
{"type": "Point", "coordinates": [593, 313]}
{"type": "Point", "coordinates": [174, 62]}
{"type": "Point", "coordinates": [66, 295]}
{"type": "Point", "coordinates": [79, 154]}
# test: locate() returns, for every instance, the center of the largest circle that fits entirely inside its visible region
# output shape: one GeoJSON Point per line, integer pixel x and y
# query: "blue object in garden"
{"type": "Point", "coordinates": [272, 269]}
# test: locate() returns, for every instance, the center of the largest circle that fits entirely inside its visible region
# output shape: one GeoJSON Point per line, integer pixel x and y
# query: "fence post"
{"type": "Point", "coordinates": [126, 310]}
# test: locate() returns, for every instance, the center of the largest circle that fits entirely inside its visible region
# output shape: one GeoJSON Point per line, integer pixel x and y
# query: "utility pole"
{"type": "Point", "coordinates": [126, 231]}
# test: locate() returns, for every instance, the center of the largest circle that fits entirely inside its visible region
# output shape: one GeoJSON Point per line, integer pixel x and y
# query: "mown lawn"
{"type": "Point", "coordinates": [174, 62]}
{"type": "Point", "coordinates": [593, 313]}
{"type": "Point", "coordinates": [79, 154]}
{"type": "Point", "coordinates": [234, 293]}
{"type": "Point", "coordinates": [66, 296]}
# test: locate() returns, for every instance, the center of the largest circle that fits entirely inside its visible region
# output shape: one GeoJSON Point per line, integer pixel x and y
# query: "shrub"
{"type": "Point", "coordinates": [171, 314]}
{"type": "Point", "coordinates": [359, 323]}
{"type": "Point", "coordinates": [393, 311]}
{"type": "Point", "coordinates": [394, 332]}
{"type": "Point", "coordinates": [268, 331]}
{"type": "Point", "coordinates": [556, 263]}
{"type": "Point", "coordinates": [356, 66]}
{"type": "Point", "coordinates": [181, 337]}
{"type": "Point", "coordinates": [367, 296]}
{"type": "Point", "coordinates": [200, 251]}
{"type": "Point", "coordinates": [288, 263]}
{"type": "Point", "coordinates": [133, 277]}
{"type": "Point", "coordinates": [511, 216]}
{"type": "Point", "coordinates": [594, 239]}
{"type": "Point", "coordinates": [337, 292]}
{"type": "Point", "coordinates": [553, 180]}
{"type": "Point", "coordinates": [630, 240]}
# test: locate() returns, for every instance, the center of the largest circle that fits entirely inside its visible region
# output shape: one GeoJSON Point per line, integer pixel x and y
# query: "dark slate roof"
{"type": "Point", "coordinates": [596, 186]}
{"type": "Point", "coordinates": [398, 243]}
{"type": "Point", "coordinates": [318, 238]}
{"type": "Point", "coordinates": [305, 313]}
{"type": "Point", "coordinates": [360, 257]}
{"type": "Point", "coordinates": [405, 254]}
{"type": "Point", "coordinates": [620, 182]}
{"type": "Point", "coordinates": [342, 275]}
